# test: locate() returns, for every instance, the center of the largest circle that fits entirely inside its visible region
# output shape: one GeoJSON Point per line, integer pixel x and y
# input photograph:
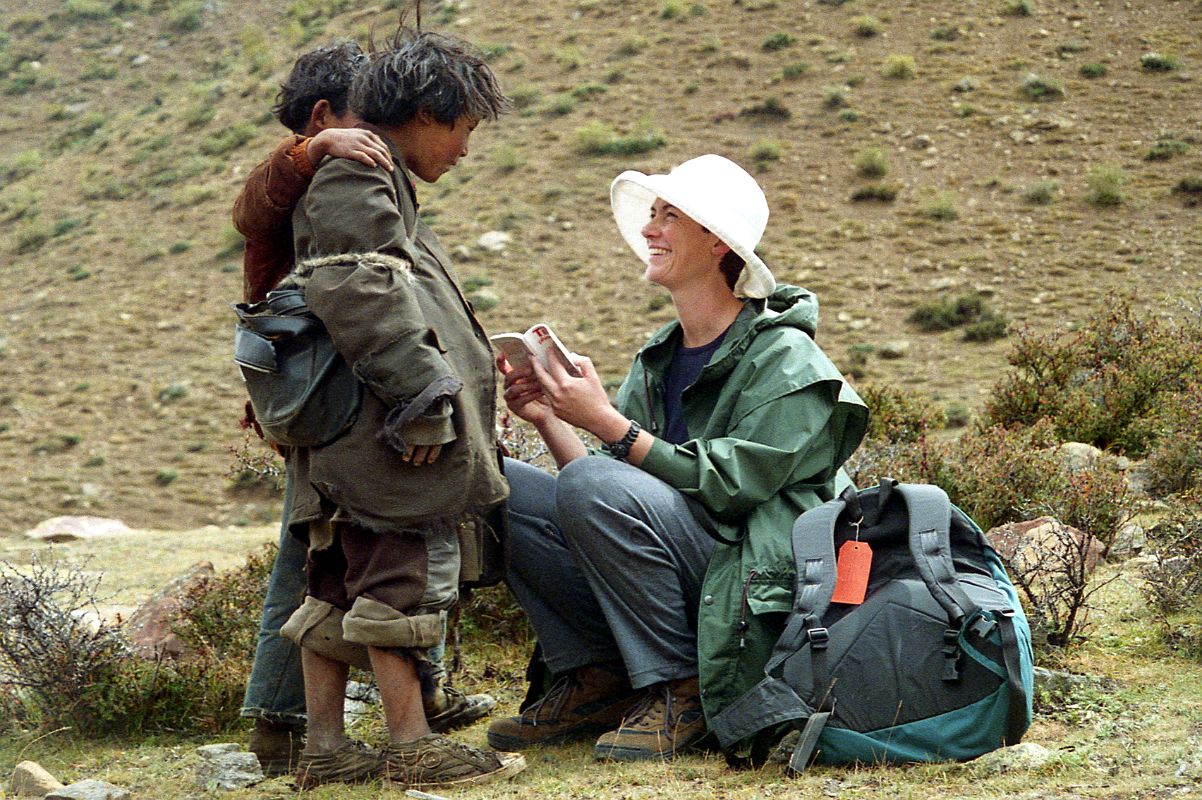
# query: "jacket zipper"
{"type": "Point", "coordinates": [742, 626]}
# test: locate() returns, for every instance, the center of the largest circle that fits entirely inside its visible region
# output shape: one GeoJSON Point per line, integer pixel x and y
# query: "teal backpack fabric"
{"type": "Point", "coordinates": [936, 664]}
{"type": "Point", "coordinates": [303, 392]}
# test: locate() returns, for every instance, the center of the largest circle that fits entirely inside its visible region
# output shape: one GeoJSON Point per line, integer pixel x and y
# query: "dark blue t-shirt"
{"type": "Point", "coordinates": [687, 363]}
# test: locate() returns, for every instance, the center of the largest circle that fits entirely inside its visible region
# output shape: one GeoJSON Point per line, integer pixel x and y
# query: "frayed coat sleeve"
{"type": "Point", "coordinates": [371, 305]}
{"type": "Point", "coordinates": [263, 210]}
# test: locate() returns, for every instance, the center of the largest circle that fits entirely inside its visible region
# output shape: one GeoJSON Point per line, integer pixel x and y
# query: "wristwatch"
{"type": "Point", "coordinates": [621, 448]}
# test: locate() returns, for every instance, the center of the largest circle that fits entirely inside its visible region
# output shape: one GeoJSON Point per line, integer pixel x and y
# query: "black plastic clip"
{"type": "Point", "coordinates": [951, 655]}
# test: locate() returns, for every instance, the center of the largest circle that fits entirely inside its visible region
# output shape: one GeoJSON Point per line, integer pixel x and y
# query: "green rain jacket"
{"type": "Point", "coordinates": [771, 421]}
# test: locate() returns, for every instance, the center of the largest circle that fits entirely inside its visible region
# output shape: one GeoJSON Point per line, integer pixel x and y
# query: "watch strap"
{"type": "Point", "coordinates": [621, 448]}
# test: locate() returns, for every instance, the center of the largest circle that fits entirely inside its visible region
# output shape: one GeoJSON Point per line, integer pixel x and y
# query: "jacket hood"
{"type": "Point", "coordinates": [794, 306]}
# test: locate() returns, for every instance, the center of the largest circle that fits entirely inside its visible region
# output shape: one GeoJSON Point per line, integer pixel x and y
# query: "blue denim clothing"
{"type": "Point", "coordinates": [276, 689]}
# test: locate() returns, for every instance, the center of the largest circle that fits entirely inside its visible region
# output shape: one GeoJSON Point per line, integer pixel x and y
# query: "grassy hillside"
{"type": "Point", "coordinates": [1042, 153]}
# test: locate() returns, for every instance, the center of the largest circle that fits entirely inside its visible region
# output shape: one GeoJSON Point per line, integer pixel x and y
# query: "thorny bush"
{"type": "Point", "coordinates": [1121, 382]}
{"type": "Point", "coordinates": [1173, 576]}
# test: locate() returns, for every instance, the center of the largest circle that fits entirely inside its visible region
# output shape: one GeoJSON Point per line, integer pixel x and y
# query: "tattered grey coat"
{"type": "Point", "coordinates": [374, 273]}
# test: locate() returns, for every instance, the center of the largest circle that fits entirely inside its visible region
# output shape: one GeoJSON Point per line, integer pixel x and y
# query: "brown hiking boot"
{"type": "Point", "coordinates": [667, 721]}
{"type": "Point", "coordinates": [277, 745]}
{"type": "Point", "coordinates": [352, 762]}
{"type": "Point", "coordinates": [450, 708]}
{"type": "Point", "coordinates": [436, 761]}
{"type": "Point", "coordinates": [579, 705]}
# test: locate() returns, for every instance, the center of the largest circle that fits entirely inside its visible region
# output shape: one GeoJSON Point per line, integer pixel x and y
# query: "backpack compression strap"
{"type": "Point", "coordinates": [1018, 719]}
{"type": "Point", "coordinates": [772, 700]}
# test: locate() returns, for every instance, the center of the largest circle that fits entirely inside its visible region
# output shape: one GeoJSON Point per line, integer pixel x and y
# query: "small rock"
{"type": "Point", "coordinates": [1130, 540]}
{"type": "Point", "coordinates": [1078, 456]}
{"type": "Point", "coordinates": [139, 60]}
{"type": "Point", "coordinates": [1041, 546]}
{"type": "Point", "coordinates": [1057, 685]}
{"type": "Point", "coordinates": [922, 141]}
{"type": "Point", "coordinates": [89, 790]}
{"type": "Point", "coordinates": [30, 779]}
{"type": "Point", "coordinates": [461, 252]}
{"type": "Point", "coordinates": [1024, 756]}
{"type": "Point", "coordinates": [966, 84]}
{"type": "Point", "coordinates": [227, 766]}
{"type": "Point", "coordinates": [494, 241]}
{"type": "Point", "coordinates": [894, 350]}
{"type": "Point", "coordinates": [72, 529]}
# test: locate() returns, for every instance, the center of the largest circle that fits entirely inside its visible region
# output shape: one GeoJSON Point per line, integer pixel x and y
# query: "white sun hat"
{"type": "Point", "coordinates": [713, 191]}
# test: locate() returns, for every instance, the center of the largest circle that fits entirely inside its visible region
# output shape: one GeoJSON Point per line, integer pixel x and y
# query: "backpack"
{"type": "Point", "coordinates": [302, 391]}
{"type": "Point", "coordinates": [935, 664]}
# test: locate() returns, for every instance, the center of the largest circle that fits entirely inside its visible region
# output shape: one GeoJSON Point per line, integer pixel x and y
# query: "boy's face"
{"type": "Point", "coordinates": [438, 146]}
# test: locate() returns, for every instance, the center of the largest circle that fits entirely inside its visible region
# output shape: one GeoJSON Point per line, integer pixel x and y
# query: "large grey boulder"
{"type": "Point", "coordinates": [89, 790]}
{"type": "Point", "coordinates": [226, 766]}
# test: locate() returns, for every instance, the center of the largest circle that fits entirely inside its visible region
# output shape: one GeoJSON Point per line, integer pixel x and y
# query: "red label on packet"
{"type": "Point", "coordinates": [851, 575]}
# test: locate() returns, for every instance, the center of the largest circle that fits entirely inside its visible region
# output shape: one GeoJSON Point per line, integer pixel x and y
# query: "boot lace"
{"type": "Point", "coordinates": [552, 702]}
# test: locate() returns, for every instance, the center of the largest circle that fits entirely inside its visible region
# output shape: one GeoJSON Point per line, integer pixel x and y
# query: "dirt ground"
{"type": "Point", "coordinates": [130, 127]}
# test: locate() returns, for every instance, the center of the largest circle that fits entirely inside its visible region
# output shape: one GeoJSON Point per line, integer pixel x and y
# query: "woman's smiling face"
{"type": "Point", "coordinates": [681, 249]}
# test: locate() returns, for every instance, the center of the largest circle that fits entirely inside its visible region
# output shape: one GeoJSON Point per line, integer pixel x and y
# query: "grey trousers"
{"type": "Point", "coordinates": [607, 561]}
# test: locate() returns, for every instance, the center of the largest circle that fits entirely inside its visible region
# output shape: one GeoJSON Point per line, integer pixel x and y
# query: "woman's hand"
{"type": "Point", "coordinates": [582, 402]}
{"type": "Point", "coordinates": [523, 396]}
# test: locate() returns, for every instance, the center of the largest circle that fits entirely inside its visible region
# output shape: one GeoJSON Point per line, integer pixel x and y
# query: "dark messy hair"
{"type": "Point", "coordinates": [322, 74]}
{"type": "Point", "coordinates": [731, 267]}
{"type": "Point", "coordinates": [418, 70]}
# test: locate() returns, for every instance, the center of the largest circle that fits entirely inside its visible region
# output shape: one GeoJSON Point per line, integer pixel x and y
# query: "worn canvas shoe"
{"type": "Point", "coordinates": [352, 762]}
{"type": "Point", "coordinates": [668, 721]}
{"type": "Point", "coordinates": [579, 705]}
{"type": "Point", "coordinates": [277, 745]}
{"type": "Point", "coordinates": [435, 761]}
{"type": "Point", "coordinates": [450, 708]}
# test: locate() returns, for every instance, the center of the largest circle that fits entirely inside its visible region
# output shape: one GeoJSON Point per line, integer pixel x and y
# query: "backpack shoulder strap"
{"type": "Point", "coordinates": [930, 545]}
{"type": "Point", "coordinates": [772, 700]}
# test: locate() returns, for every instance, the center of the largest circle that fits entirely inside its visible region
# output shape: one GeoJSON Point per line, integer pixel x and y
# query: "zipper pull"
{"type": "Point", "coordinates": [742, 625]}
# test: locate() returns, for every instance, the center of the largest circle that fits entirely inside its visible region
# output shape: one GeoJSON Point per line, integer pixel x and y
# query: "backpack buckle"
{"type": "Point", "coordinates": [819, 638]}
{"type": "Point", "coordinates": [951, 655]}
{"type": "Point", "coordinates": [983, 626]}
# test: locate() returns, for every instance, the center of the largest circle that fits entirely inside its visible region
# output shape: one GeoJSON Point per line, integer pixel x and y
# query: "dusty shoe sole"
{"type": "Point", "coordinates": [502, 741]}
{"type": "Point", "coordinates": [511, 764]}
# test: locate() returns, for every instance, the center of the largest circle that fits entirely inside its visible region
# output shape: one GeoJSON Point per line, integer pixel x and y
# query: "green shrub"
{"type": "Point", "coordinates": [967, 311]}
{"type": "Point", "coordinates": [866, 25]}
{"type": "Point", "coordinates": [1159, 62]}
{"type": "Point", "coordinates": [849, 115]}
{"type": "Point", "coordinates": [1105, 182]}
{"type": "Point", "coordinates": [1174, 462]}
{"type": "Point", "coordinates": [524, 97]}
{"type": "Point", "coordinates": [30, 238]}
{"type": "Point", "coordinates": [1041, 193]}
{"type": "Point", "coordinates": [1113, 383]}
{"type": "Point", "coordinates": [900, 67]}
{"type": "Point", "coordinates": [792, 72]}
{"type": "Point", "coordinates": [507, 158]}
{"type": "Point", "coordinates": [898, 416]}
{"type": "Point", "coordinates": [1191, 187]}
{"type": "Point", "coordinates": [1019, 8]}
{"type": "Point", "coordinates": [1036, 87]}
{"type": "Point", "coordinates": [778, 41]}
{"type": "Point", "coordinates": [631, 46]}
{"type": "Point", "coordinates": [229, 140]}
{"type": "Point", "coordinates": [834, 97]}
{"type": "Point", "coordinates": [871, 162]}
{"type": "Point", "coordinates": [941, 207]}
{"type": "Point", "coordinates": [1093, 70]}
{"type": "Point", "coordinates": [764, 152]}
{"type": "Point", "coordinates": [86, 10]}
{"type": "Point", "coordinates": [945, 33]}
{"type": "Point", "coordinates": [1165, 149]}
{"type": "Point", "coordinates": [672, 9]}
{"type": "Point", "coordinates": [770, 109]}
{"type": "Point", "coordinates": [884, 192]}
{"type": "Point", "coordinates": [186, 16]}
{"type": "Point", "coordinates": [1172, 576]}
{"type": "Point", "coordinates": [560, 105]}
{"type": "Point", "coordinates": [597, 138]}
{"type": "Point", "coordinates": [24, 162]}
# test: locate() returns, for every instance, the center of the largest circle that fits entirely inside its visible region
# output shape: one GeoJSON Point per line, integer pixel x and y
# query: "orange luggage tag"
{"type": "Point", "coordinates": [851, 574]}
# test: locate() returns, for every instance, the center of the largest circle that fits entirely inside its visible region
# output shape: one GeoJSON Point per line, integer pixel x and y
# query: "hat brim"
{"type": "Point", "coordinates": [631, 195]}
